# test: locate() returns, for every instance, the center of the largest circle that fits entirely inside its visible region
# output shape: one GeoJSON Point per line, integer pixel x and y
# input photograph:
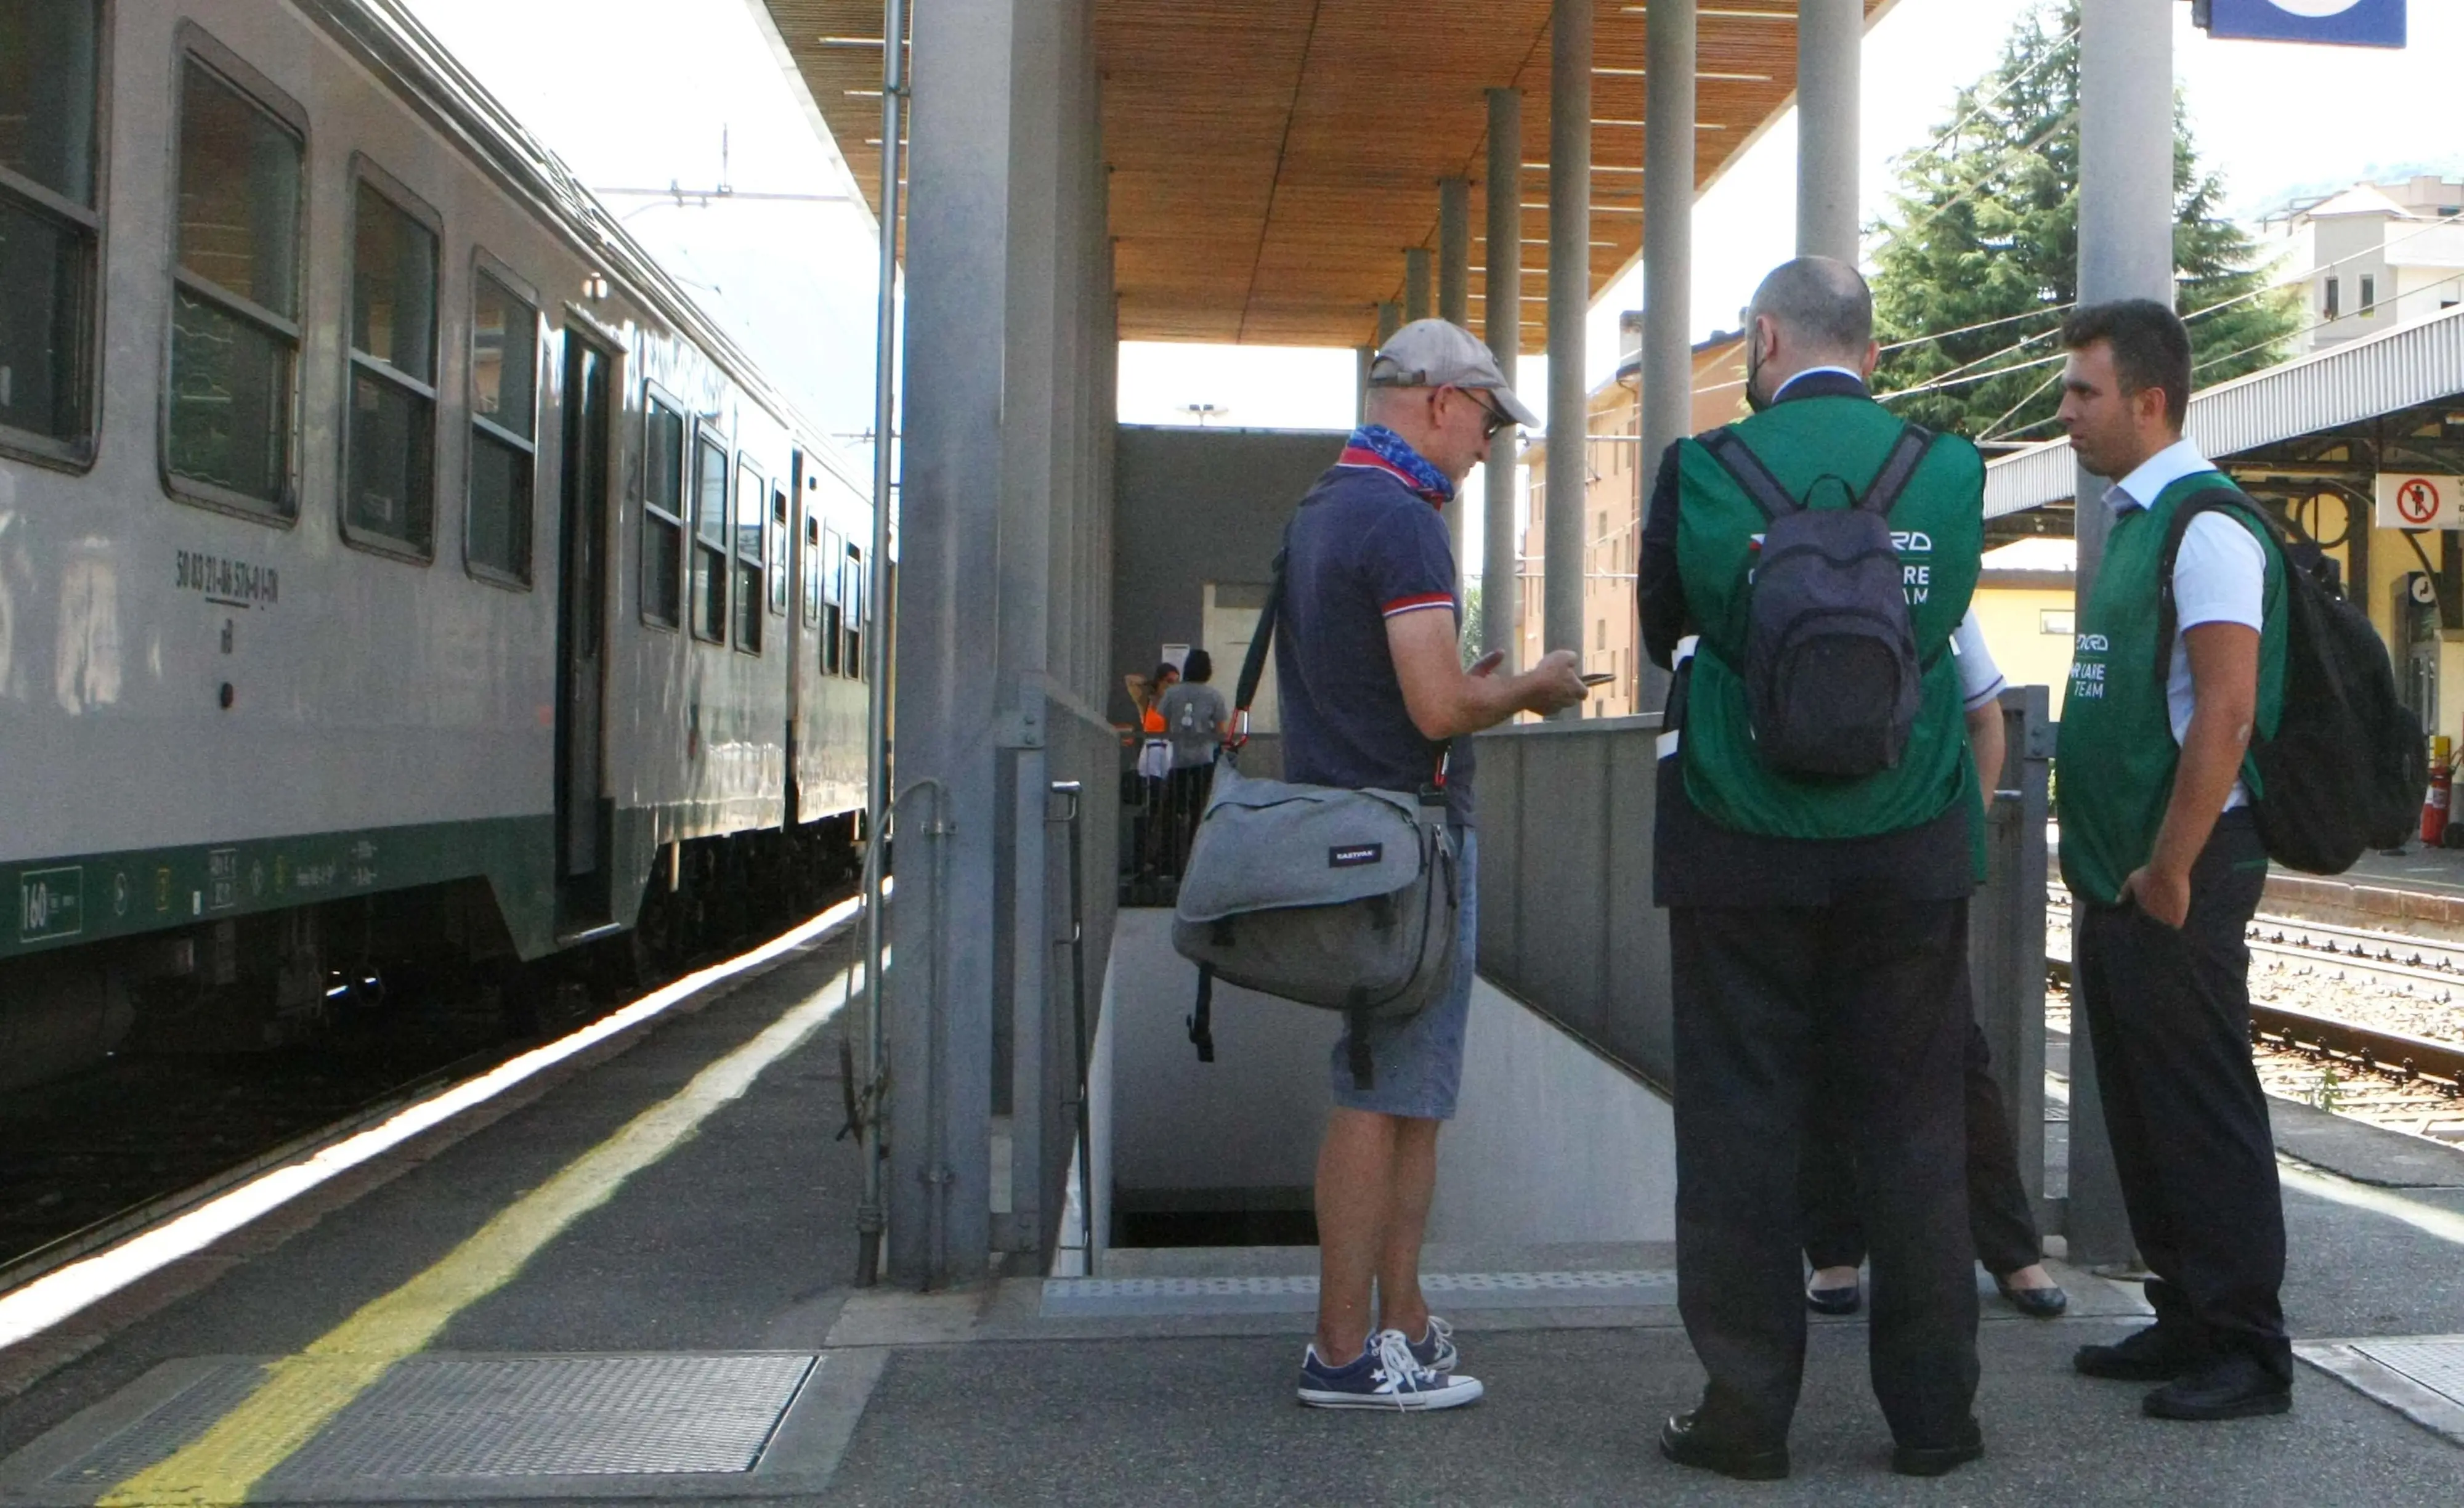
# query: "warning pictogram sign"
{"type": "Point", "coordinates": [2412, 501]}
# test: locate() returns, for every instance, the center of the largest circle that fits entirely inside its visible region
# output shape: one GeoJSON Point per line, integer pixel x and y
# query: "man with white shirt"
{"type": "Point", "coordinates": [2164, 860]}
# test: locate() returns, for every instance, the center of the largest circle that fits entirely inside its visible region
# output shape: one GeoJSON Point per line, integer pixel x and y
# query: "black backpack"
{"type": "Point", "coordinates": [1832, 681]}
{"type": "Point", "coordinates": [2345, 768]}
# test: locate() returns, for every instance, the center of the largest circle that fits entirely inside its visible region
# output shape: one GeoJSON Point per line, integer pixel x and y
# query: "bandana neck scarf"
{"type": "Point", "coordinates": [1376, 446]}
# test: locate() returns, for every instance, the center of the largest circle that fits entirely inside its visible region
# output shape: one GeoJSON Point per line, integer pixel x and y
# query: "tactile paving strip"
{"type": "Point", "coordinates": [514, 1416]}
{"type": "Point", "coordinates": [1297, 1294]}
{"type": "Point", "coordinates": [2436, 1362]}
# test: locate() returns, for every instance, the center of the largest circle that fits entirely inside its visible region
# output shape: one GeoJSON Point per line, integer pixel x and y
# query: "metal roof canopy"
{"type": "Point", "coordinates": [1271, 158]}
{"type": "Point", "coordinates": [2412, 364]}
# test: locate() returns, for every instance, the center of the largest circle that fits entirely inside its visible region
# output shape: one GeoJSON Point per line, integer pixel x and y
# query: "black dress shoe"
{"type": "Point", "coordinates": [2152, 1355]}
{"type": "Point", "coordinates": [1835, 1301]}
{"type": "Point", "coordinates": [2235, 1386]}
{"type": "Point", "coordinates": [2036, 1304]}
{"type": "Point", "coordinates": [1934, 1460]}
{"type": "Point", "coordinates": [1682, 1443]}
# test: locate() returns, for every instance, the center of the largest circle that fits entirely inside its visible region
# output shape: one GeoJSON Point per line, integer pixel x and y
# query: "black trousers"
{"type": "Point", "coordinates": [2168, 1012]}
{"type": "Point", "coordinates": [1756, 990]}
{"type": "Point", "coordinates": [2000, 1222]}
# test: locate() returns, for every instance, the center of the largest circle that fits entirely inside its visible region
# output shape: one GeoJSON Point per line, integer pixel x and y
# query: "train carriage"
{"type": "Point", "coordinates": [393, 562]}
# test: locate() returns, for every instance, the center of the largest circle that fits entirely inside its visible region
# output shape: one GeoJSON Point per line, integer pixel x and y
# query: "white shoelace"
{"type": "Point", "coordinates": [1442, 1335]}
{"type": "Point", "coordinates": [1400, 1370]}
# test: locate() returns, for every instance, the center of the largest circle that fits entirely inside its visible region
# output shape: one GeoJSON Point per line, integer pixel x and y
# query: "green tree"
{"type": "Point", "coordinates": [1985, 231]}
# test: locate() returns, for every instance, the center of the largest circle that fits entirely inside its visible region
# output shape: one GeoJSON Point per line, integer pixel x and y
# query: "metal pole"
{"type": "Point", "coordinates": [1829, 37]}
{"type": "Point", "coordinates": [1667, 399]}
{"type": "Point", "coordinates": [1454, 306]}
{"type": "Point", "coordinates": [1390, 319]}
{"type": "Point", "coordinates": [884, 413]}
{"type": "Point", "coordinates": [1569, 297]}
{"type": "Point", "coordinates": [1416, 283]}
{"type": "Point", "coordinates": [1362, 355]}
{"type": "Point", "coordinates": [1501, 595]}
{"type": "Point", "coordinates": [1454, 251]}
{"type": "Point", "coordinates": [2125, 251]}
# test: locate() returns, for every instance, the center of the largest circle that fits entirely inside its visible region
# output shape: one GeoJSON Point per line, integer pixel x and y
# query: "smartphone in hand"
{"type": "Point", "coordinates": [1599, 678]}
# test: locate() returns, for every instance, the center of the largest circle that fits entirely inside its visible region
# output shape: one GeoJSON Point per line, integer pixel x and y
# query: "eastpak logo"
{"type": "Point", "coordinates": [1351, 856]}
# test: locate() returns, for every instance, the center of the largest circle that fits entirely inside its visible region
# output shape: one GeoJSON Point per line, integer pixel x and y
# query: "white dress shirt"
{"type": "Point", "coordinates": [2220, 577]}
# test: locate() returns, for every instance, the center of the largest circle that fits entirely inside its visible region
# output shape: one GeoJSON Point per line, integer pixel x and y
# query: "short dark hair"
{"type": "Point", "coordinates": [1820, 300]}
{"type": "Point", "coordinates": [1163, 668]}
{"type": "Point", "coordinates": [2150, 348]}
{"type": "Point", "coordinates": [1198, 666]}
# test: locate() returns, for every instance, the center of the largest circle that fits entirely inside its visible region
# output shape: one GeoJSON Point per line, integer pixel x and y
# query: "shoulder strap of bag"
{"type": "Point", "coordinates": [2206, 500]}
{"type": "Point", "coordinates": [1899, 468]}
{"type": "Point", "coordinates": [1741, 463]}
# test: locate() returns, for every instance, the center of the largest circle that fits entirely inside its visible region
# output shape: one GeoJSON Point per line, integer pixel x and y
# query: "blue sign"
{"type": "Point", "coordinates": [2354, 23]}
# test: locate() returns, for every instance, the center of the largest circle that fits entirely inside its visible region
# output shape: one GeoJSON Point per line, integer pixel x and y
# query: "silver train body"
{"type": "Point", "coordinates": [324, 633]}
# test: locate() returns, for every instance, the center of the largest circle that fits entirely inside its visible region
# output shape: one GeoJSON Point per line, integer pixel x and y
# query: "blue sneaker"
{"type": "Point", "coordinates": [1436, 1350]}
{"type": "Point", "coordinates": [1385, 1376]}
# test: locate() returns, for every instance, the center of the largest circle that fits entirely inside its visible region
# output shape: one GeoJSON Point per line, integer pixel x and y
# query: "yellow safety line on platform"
{"type": "Point", "coordinates": [2445, 1224]}
{"type": "Point", "coordinates": [302, 1393]}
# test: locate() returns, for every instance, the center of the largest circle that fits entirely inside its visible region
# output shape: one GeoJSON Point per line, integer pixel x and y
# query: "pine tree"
{"type": "Point", "coordinates": [1985, 231]}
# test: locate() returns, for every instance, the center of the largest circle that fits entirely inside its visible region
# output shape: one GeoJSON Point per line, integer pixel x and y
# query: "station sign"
{"type": "Point", "coordinates": [2417, 500]}
{"type": "Point", "coordinates": [2350, 23]}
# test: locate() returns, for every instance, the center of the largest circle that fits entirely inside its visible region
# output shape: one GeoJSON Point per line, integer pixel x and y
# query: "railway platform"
{"type": "Point", "coordinates": [628, 1279]}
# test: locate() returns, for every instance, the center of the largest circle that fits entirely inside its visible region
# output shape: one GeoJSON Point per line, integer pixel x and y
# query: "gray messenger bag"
{"type": "Point", "coordinates": [1337, 898]}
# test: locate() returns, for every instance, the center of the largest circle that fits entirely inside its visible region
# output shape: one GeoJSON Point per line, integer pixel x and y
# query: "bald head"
{"type": "Point", "coordinates": [1820, 303]}
{"type": "Point", "coordinates": [1807, 314]}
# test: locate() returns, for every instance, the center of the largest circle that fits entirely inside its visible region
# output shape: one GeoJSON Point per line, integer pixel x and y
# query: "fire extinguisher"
{"type": "Point", "coordinates": [2434, 805]}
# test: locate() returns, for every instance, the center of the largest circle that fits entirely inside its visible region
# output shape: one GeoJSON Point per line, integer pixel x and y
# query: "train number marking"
{"type": "Point", "coordinates": [224, 581]}
{"type": "Point", "coordinates": [51, 903]}
{"type": "Point", "coordinates": [221, 879]}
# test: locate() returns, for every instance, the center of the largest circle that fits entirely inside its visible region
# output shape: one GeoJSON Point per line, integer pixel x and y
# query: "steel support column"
{"type": "Point", "coordinates": [1390, 319]}
{"type": "Point", "coordinates": [1830, 40]}
{"type": "Point", "coordinates": [2125, 251]}
{"type": "Point", "coordinates": [1005, 491]}
{"type": "Point", "coordinates": [1570, 298]}
{"type": "Point", "coordinates": [1667, 400]}
{"type": "Point", "coordinates": [1501, 593]}
{"type": "Point", "coordinates": [1416, 283]}
{"type": "Point", "coordinates": [1454, 306]}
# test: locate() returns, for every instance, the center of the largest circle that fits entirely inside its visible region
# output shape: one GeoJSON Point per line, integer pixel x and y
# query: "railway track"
{"type": "Point", "coordinates": [2420, 966]}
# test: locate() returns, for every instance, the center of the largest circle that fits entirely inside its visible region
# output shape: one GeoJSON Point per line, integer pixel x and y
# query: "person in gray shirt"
{"type": "Point", "coordinates": [1196, 719]}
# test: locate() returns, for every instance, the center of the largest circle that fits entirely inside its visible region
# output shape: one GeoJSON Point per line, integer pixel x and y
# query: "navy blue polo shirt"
{"type": "Point", "coordinates": [1367, 544]}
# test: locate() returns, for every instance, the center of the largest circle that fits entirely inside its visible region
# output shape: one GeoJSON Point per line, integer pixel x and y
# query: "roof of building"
{"type": "Point", "coordinates": [2042, 555]}
{"type": "Point", "coordinates": [2361, 198]}
{"type": "Point", "coordinates": [2414, 364]}
{"type": "Point", "coordinates": [1270, 159]}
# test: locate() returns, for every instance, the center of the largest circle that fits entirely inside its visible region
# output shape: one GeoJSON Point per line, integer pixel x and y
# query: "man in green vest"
{"type": "Point", "coordinates": [1816, 907]}
{"type": "Point", "coordinates": [2164, 865]}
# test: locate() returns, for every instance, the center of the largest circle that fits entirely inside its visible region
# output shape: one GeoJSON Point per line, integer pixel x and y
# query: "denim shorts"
{"type": "Point", "coordinates": [1417, 1061]}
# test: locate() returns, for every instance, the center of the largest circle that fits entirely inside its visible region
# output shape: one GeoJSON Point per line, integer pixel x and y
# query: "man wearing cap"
{"type": "Point", "coordinates": [1373, 689]}
{"type": "Point", "coordinates": [1810, 910]}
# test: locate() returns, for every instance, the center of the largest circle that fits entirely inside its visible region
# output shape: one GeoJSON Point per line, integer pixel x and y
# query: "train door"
{"type": "Point", "coordinates": [797, 556]}
{"type": "Point", "coordinates": [581, 635]}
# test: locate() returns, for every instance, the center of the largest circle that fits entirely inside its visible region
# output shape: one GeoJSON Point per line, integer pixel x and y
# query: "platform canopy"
{"type": "Point", "coordinates": [1271, 158]}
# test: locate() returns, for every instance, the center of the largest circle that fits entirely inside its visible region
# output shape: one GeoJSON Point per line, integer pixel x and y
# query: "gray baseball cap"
{"type": "Point", "coordinates": [1436, 353]}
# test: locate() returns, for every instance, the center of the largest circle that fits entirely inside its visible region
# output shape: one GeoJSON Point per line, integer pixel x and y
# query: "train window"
{"type": "Point", "coordinates": [234, 299]}
{"type": "Point", "coordinates": [812, 571]}
{"type": "Point", "coordinates": [389, 421]}
{"type": "Point", "coordinates": [710, 539]}
{"type": "Point", "coordinates": [752, 513]}
{"type": "Point", "coordinates": [833, 573]}
{"type": "Point", "coordinates": [49, 227]}
{"type": "Point", "coordinates": [779, 534]}
{"type": "Point", "coordinates": [663, 514]}
{"type": "Point", "coordinates": [854, 595]}
{"type": "Point", "coordinates": [505, 429]}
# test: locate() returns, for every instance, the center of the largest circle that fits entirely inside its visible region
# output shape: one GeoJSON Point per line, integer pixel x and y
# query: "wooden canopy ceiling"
{"type": "Point", "coordinates": [1271, 158]}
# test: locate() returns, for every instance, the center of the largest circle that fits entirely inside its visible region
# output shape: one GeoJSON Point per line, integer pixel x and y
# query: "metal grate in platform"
{"type": "Point", "coordinates": [2436, 1362]}
{"type": "Point", "coordinates": [476, 1419]}
{"type": "Point", "coordinates": [1297, 1294]}
{"type": "Point", "coordinates": [2419, 1376]}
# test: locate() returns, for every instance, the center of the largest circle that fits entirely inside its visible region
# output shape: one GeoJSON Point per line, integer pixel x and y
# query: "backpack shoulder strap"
{"type": "Point", "coordinates": [1899, 468]}
{"type": "Point", "coordinates": [1748, 469]}
{"type": "Point", "coordinates": [2206, 500]}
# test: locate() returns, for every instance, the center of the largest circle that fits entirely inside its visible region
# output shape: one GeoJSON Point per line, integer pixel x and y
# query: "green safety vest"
{"type": "Point", "coordinates": [1823, 449]}
{"type": "Point", "coordinates": [2115, 757]}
